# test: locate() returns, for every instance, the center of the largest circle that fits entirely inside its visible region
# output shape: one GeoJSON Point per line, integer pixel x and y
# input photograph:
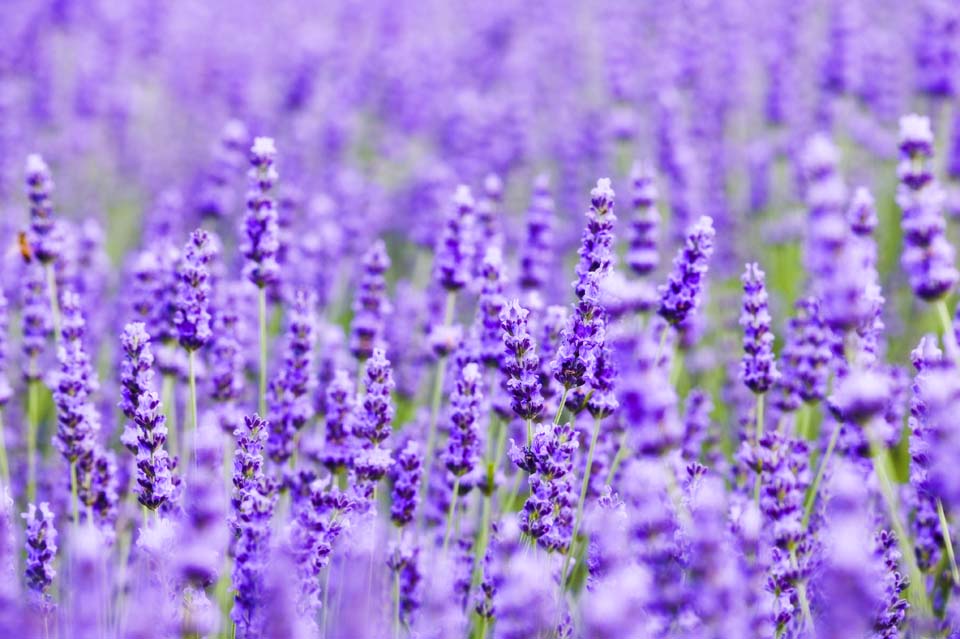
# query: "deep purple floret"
{"type": "Point", "coordinates": [643, 256]}
{"type": "Point", "coordinates": [536, 254]}
{"type": "Point", "coordinates": [371, 305]}
{"type": "Point", "coordinates": [681, 295]}
{"type": "Point", "coordinates": [41, 545]}
{"type": "Point", "coordinates": [77, 419]}
{"type": "Point", "coordinates": [407, 471]}
{"type": "Point", "coordinates": [521, 366]}
{"type": "Point", "coordinates": [290, 401]}
{"type": "Point", "coordinates": [489, 307]}
{"type": "Point", "coordinates": [261, 240]}
{"type": "Point", "coordinates": [452, 264]}
{"type": "Point", "coordinates": [252, 507]}
{"type": "Point", "coordinates": [192, 316]}
{"type": "Point", "coordinates": [464, 443]}
{"type": "Point", "coordinates": [758, 367]}
{"type": "Point", "coordinates": [46, 241]}
{"type": "Point", "coordinates": [928, 258]}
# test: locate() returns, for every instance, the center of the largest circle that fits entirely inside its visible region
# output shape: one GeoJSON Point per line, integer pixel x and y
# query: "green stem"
{"type": "Point", "coordinates": [617, 458]}
{"type": "Point", "coordinates": [917, 588]}
{"type": "Point", "coordinates": [190, 433]}
{"type": "Point", "coordinates": [949, 339]}
{"type": "Point", "coordinates": [804, 417]}
{"type": "Point", "coordinates": [74, 508]}
{"type": "Point", "coordinates": [54, 300]}
{"type": "Point", "coordinates": [483, 628]}
{"type": "Point", "coordinates": [756, 486]}
{"type": "Point", "coordinates": [396, 604]}
{"type": "Point", "coordinates": [453, 506]}
{"type": "Point", "coordinates": [262, 316]}
{"type": "Point", "coordinates": [580, 503]}
{"type": "Point", "coordinates": [945, 530]}
{"type": "Point", "coordinates": [436, 399]}
{"type": "Point", "coordinates": [802, 594]}
{"type": "Point", "coordinates": [33, 426]}
{"type": "Point", "coordinates": [563, 402]}
{"type": "Point", "coordinates": [811, 498]}
{"type": "Point", "coordinates": [482, 540]}
{"type": "Point", "coordinates": [4, 466]}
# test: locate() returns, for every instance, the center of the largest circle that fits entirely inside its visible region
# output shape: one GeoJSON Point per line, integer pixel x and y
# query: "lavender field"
{"type": "Point", "coordinates": [419, 319]}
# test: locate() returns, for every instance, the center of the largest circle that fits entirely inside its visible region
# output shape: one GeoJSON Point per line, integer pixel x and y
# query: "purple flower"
{"type": "Point", "coordinates": [77, 419]}
{"type": "Point", "coordinates": [202, 533]}
{"type": "Point", "coordinates": [291, 403]}
{"type": "Point", "coordinates": [192, 317]}
{"type": "Point", "coordinates": [537, 251]}
{"type": "Point", "coordinates": [490, 233]}
{"type": "Point", "coordinates": [520, 363]}
{"type": "Point", "coordinates": [371, 306]}
{"type": "Point", "coordinates": [643, 255]}
{"type": "Point", "coordinates": [453, 250]}
{"type": "Point", "coordinates": [338, 451]}
{"type": "Point", "coordinates": [41, 544]}
{"type": "Point", "coordinates": [862, 214]}
{"type": "Point", "coordinates": [489, 307]}
{"type": "Point", "coordinates": [36, 320]}
{"type": "Point", "coordinates": [153, 293]}
{"type": "Point", "coordinates": [261, 233]}
{"type": "Point", "coordinates": [927, 255]}
{"type": "Point", "coordinates": [372, 426]}
{"type": "Point", "coordinates": [927, 358]}
{"type": "Point", "coordinates": [252, 504]}
{"type": "Point", "coordinates": [894, 606]}
{"type": "Point", "coordinates": [851, 579]}
{"type": "Point", "coordinates": [216, 197]}
{"type": "Point", "coordinates": [227, 359]}
{"type": "Point", "coordinates": [46, 241]}
{"type": "Point", "coordinates": [404, 559]}
{"type": "Point", "coordinates": [681, 295]}
{"type": "Point", "coordinates": [547, 515]}
{"type": "Point", "coordinates": [785, 477]}
{"type": "Point", "coordinates": [407, 471]}
{"type": "Point", "coordinates": [154, 485]}
{"type": "Point", "coordinates": [596, 256]}
{"type": "Point", "coordinates": [576, 356]}
{"type": "Point", "coordinates": [806, 355]}
{"type": "Point", "coordinates": [136, 377]}
{"type": "Point", "coordinates": [464, 443]}
{"type": "Point", "coordinates": [758, 368]}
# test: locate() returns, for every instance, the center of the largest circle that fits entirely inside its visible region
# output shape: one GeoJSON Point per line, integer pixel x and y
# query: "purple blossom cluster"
{"type": "Point", "coordinates": [437, 382]}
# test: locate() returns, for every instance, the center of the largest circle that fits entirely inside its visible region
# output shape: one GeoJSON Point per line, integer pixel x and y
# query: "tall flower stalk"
{"type": "Point", "coordinates": [192, 317]}
{"type": "Point", "coordinates": [262, 241]}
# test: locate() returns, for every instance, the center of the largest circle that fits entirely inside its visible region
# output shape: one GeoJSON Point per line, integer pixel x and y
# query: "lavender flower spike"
{"type": "Point", "coordinates": [253, 502]}
{"type": "Point", "coordinates": [520, 363]}
{"type": "Point", "coordinates": [596, 255]}
{"type": "Point", "coordinates": [192, 315]}
{"type": "Point", "coordinates": [371, 305]}
{"type": "Point", "coordinates": [41, 542]}
{"type": "Point", "coordinates": [463, 447]}
{"type": "Point", "coordinates": [45, 241]}
{"type": "Point", "coordinates": [454, 251]}
{"type": "Point", "coordinates": [928, 258]}
{"type": "Point", "coordinates": [643, 256]}
{"type": "Point", "coordinates": [261, 231]}
{"type": "Point", "coordinates": [681, 295]}
{"type": "Point", "coordinates": [406, 484]}
{"type": "Point", "coordinates": [758, 368]}
{"type": "Point", "coordinates": [136, 377]}
{"type": "Point", "coordinates": [291, 398]}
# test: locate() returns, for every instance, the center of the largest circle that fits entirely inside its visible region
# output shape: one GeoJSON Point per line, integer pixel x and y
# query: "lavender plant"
{"type": "Point", "coordinates": [363, 402]}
